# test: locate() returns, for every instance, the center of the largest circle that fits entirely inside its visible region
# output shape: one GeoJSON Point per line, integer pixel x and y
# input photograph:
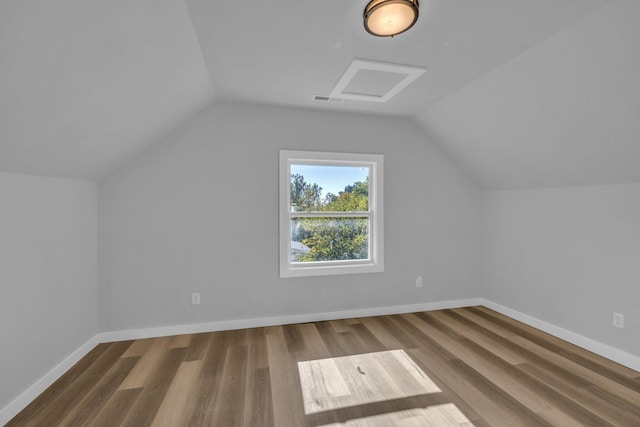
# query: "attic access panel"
{"type": "Point", "coordinates": [374, 81]}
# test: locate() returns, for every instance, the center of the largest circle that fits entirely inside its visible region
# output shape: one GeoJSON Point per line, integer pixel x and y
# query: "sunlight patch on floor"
{"type": "Point", "coordinates": [341, 382]}
{"type": "Point", "coordinates": [445, 415]}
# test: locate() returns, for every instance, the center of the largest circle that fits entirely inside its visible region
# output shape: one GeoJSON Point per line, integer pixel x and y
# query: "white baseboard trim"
{"type": "Point", "coordinates": [620, 356]}
{"type": "Point", "coordinates": [227, 325]}
{"type": "Point", "coordinates": [20, 402]}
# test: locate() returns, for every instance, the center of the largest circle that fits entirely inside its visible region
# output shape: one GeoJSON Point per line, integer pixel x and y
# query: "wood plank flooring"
{"type": "Point", "coordinates": [462, 367]}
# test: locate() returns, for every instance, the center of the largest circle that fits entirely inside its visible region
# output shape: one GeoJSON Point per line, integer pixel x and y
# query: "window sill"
{"type": "Point", "coordinates": [329, 270]}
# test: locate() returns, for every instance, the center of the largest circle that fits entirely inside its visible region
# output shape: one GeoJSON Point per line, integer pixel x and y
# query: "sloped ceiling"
{"type": "Point", "coordinates": [522, 93]}
{"type": "Point", "coordinates": [84, 84]}
{"type": "Point", "coordinates": [563, 113]}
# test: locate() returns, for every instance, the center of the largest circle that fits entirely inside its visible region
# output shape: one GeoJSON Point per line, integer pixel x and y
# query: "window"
{"type": "Point", "coordinates": [331, 216]}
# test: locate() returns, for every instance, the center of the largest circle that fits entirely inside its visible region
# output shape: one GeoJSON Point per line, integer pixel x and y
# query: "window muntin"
{"type": "Point", "coordinates": [330, 213]}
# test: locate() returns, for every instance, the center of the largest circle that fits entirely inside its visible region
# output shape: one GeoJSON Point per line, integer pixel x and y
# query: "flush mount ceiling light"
{"type": "Point", "coordinates": [387, 18]}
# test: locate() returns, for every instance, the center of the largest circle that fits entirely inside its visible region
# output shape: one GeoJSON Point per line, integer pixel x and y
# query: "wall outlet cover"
{"type": "Point", "coordinates": [618, 320]}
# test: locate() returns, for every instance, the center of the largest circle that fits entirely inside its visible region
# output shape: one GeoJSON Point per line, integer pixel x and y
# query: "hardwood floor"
{"type": "Point", "coordinates": [460, 367]}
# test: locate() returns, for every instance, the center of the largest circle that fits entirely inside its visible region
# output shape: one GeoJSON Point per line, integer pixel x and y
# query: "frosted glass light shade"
{"type": "Point", "coordinates": [387, 18]}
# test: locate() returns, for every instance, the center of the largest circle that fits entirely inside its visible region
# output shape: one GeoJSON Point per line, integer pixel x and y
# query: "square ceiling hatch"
{"type": "Point", "coordinates": [374, 81]}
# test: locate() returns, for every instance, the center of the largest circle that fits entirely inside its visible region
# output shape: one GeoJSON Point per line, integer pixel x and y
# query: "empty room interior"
{"type": "Point", "coordinates": [320, 213]}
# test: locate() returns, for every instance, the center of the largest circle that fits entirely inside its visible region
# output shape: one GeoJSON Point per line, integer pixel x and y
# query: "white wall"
{"type": "Point", "coordinates": [569, 256]}
{"type": "Point", "coordinates": [198, 211]}
{"type": "Point", "coordinates": [48, 275]}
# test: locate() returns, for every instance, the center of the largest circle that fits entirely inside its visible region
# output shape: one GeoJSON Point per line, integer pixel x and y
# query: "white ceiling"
{"type": "Point", "coordinates": [521, 92]}
{"type": "Point", "coordinates": [286, 52]}
{"type": "Point", "coordinates": [563, 113]}
{"type": "Point", "coordinates": [85, 84]}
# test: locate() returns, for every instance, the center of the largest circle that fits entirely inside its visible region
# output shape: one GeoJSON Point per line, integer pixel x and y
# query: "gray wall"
{"type": "Point", "coordinates": [568, 256]}
{"type": "Point", "coordinates": [198, 211]}
{"type": "Point", "coordinates": [48, 275]}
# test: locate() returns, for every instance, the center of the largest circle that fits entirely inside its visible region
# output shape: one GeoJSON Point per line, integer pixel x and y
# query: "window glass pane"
{"type": "Point", "coordinates": [329, 239]}
{"type": "Point", "coordinates": [315, 188]}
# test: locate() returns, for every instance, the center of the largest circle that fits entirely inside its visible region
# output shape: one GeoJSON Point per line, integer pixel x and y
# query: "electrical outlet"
{"type": "Point", "coordinates": [618, 320]}
{"type": "Point", "coordinates": [419, 282]}
{"type": "Point", "coordinates": [195, 298]}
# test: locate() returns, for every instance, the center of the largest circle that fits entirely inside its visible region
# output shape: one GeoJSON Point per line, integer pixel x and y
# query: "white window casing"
{"type": "Point", "coordinates": [375, 214]}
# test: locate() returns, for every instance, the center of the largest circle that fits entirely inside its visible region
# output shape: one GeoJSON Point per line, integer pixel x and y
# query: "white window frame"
{"type": "Point", "coordinates": [376, 214]}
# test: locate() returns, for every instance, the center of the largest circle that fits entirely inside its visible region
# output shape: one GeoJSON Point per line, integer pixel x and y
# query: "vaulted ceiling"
{"type": "Point", "coordinates": [522, 93]}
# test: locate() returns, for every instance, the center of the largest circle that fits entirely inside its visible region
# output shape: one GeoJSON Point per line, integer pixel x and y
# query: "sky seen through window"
{"type": "Point", "coordinates": [332, 179]}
